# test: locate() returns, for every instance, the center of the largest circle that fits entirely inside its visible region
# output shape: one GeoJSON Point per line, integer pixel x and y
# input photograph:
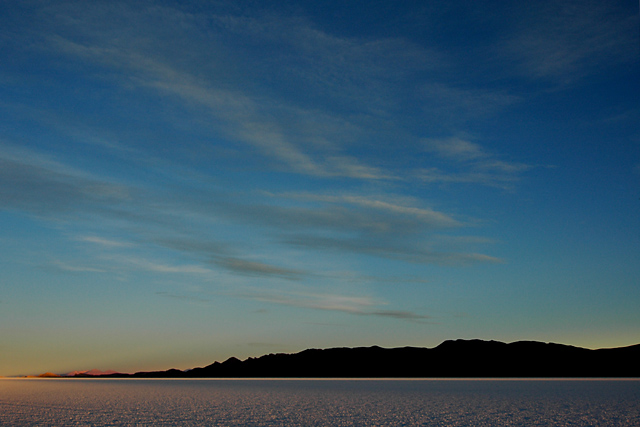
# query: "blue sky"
{"type": "Point", "coordinates": [181, 182]}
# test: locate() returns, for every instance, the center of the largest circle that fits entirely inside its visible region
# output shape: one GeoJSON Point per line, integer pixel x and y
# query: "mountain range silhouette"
{"type": "Point", "coordinates": [451, 359]}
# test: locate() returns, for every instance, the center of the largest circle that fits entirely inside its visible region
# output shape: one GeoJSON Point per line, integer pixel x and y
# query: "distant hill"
{"type": "Point", "coordinates": [45, 375]}
{"type": "Point", "coordinates": [460, 358]}
{"type": "Point", "coordinates": [48, 375]}
{"type": "Point", "coordinates": [90, 373]}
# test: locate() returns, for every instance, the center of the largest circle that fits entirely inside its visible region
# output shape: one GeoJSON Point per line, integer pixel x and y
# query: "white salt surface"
{"type": "Point", "coordinates": [110, 402]}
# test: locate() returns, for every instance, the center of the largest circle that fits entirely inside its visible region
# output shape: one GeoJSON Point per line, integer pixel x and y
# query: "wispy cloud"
{"type": "Point", "coordinates": [333, 77]}
{"type": "Point", "coordinates": [436, 175]}
{"type": "Point", "coordinates": [156, 267]}
{"type": "Point", "coordinates": [48, 187]}
{"type": "Point", "coordinates": [352, 277]}
{"type": "Point", "coordinates": [471, 153]}
{"type": "Point", "coordinates": [63, 266]}
{"type": "Point", "coordinates": [279, 128]}
{"type": "Point", "coordinates": [455, 149]}
{"type": "Point", "coordinates": [570, 39]}
{"type": "Point", "coordinates": [357, 224]}
{"type": "Point", "coordinates": [366, 225]}
{"type": "Point", "coordinates": [109, 243]}
{"type": "Point", "coordinates": [471, 164]}
{"type": "Point", "coordinates": [220, 255]}
{"type": "Point", "coordinates": [355, 305]}
{"type": "Point", "coordinates": [403, 315]}
{"type": "Point", "coordinates": [254, 268]}
{"type": "Point", "coordinates": [381, 204]}
{"type": "Point", "coordinates": [395, 250]}
{"type": "Point", "coordinates": [455, 106]}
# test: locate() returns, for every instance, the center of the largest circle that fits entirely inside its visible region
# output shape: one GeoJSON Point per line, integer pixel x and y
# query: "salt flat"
{"type": "Point", "coordinates": [121, 402]}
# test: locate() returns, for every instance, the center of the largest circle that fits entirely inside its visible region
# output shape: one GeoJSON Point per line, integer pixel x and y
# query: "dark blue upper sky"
{"type": "Point", "coordinates": [185, 181]}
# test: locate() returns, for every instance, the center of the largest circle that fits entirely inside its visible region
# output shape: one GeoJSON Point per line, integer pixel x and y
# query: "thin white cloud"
{"type": "Point", "coordinates": [455, 148]}
{"type": "Point", "coordinates": [104, 242]}
{"type": "Point", "coordinates": [429, 216]}
{"type": "Point", "coordinates": [351, 167]}
{"type": "Point", "coordinates": [391, 249]}
{"type": "Point", "coordinates": [504, 167]}
{"type": "Point", "coordinates": [355, 305]}
{"type": "Point", "coordinates": [379, 204]}
{"type": "Point", "coordinates": [472, 164]}
{"type": "Point", "coordinates": [392, 229]}
{"type": "Point", "coordinates": [76, 268]}
{"type": "Point", "coordinates": [155, 267]}
{"type": "Point", "coordinates": [435, 175]}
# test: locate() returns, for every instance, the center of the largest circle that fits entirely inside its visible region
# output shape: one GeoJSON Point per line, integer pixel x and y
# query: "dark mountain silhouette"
{"type": "Point", "coordinates": [90, 373]}
{"type": "Point", "coordinates": [460, 358]}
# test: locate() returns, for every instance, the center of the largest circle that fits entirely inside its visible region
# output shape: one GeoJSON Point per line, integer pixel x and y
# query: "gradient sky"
{"type": "Point", "coordinates": [181, 182]}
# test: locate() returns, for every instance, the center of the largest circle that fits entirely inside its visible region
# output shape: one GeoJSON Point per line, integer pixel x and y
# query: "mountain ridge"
{"type": "Point", "coordinates": [450, 359]}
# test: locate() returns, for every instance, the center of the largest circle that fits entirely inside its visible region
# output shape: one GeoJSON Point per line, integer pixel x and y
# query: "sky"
{"type": "Point", "coordinates": [182, 182]}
